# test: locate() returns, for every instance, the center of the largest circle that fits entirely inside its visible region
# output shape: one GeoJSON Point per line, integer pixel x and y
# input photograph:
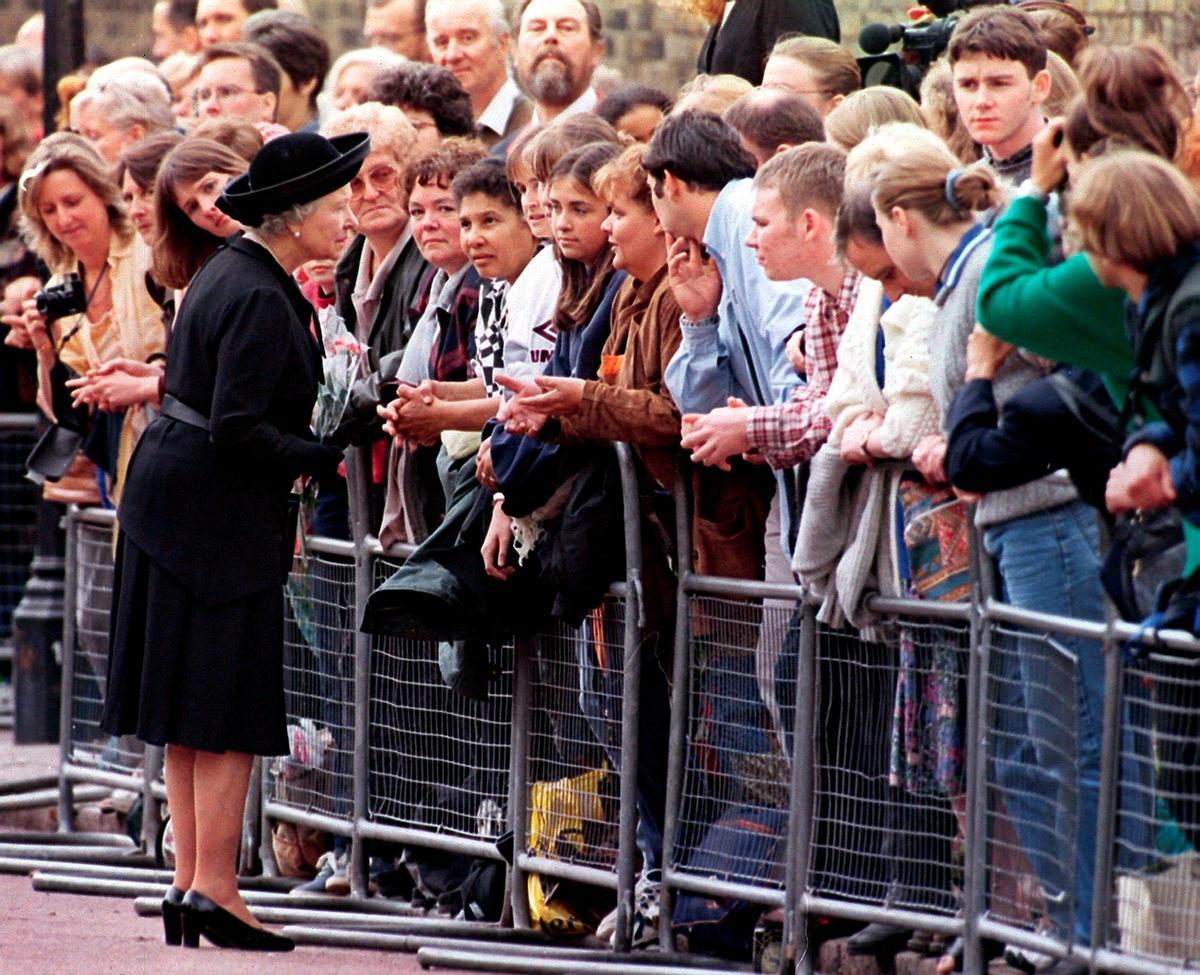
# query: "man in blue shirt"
{"type": "Point", "coordinates": [736, 322]}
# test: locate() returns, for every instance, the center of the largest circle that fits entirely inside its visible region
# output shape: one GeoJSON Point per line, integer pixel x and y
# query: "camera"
{"type": "Point", "coordinates": [921, 43]}
{"type": "Point", "coordinates": [62, 300]}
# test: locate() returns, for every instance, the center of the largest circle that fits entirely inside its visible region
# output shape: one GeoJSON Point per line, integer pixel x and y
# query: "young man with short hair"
{"type": "Point", "coordinates": [796, 199]}
{"type": "Point", "coordinates": [736, 322]}
{"type": "Point", "coordinates": [998, 61]}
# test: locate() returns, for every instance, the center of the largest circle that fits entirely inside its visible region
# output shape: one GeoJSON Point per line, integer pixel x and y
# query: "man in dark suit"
{"type": "Point", "coordinates": [741, 39]}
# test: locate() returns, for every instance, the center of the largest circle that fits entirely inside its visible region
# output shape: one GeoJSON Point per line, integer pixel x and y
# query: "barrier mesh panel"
{"type": "Point", "coordinates": [889, 765]}
{"type": "Point", "coordinates": [439, 760]}
{"type": "Point", "coordinates": [733, 811]}
{"type": "Point", "coordinates": [318, 660]}
{"type": "Point", "coordinates": [18, 497]}
{"type": "Point", "coordinates": [93, 603]}
{"type": "Point", "coordinates": [1034, 848]}
{"type": "Point", "coordinates": [575, 738]}
{"type": "Point", "coordinates": [1157, 912]}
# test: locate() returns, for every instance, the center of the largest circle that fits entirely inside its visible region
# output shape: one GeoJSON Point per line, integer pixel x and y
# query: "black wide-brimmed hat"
{"type": "Point", "coordinates": [293, 169]}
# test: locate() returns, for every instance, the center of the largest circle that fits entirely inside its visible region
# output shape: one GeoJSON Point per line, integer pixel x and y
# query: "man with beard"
{"type": "Point", "coordinates": [559, 45]}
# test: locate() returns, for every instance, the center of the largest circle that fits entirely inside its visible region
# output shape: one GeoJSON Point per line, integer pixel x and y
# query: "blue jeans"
{"type": "Point", "coordinates": [1046, 755]}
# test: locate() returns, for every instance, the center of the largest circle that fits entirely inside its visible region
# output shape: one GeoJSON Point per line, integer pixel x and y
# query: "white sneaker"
{"type": "Point", "coordinates": [644, 926]}
{"type": "Point", "coordinates": [326, 864]}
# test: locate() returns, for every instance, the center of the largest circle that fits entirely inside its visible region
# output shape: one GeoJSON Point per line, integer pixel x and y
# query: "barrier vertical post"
{"type": "Point", "coordinates": [975, 842]}
{"type": "Point", "coordinates": [680, 677]}
{"type": "Point", "coordinates": [630, 693]}
{"type": "Point", "coordinates": [358, 477]}
{"type": "Point", "coordinates": [66, 799]}
{"type": "Point", "coordinates": [795, 918]}
{"type": "Point", "coordinates": [151, 813]}
{"type": "Point", "coordinates": [1110, 778]}
{"type": "Point", "coordinates": [518, 793]}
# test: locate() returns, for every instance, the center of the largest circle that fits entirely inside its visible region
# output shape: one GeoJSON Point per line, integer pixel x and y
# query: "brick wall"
{"type": "Point", "coordinates": [654, 41]}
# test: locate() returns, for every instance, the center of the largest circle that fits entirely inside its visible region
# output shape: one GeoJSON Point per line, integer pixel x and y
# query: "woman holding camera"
{"type": "Point", "coordinates": [95, 307]}
{"type": "Point", "coordinates": [197, 648]}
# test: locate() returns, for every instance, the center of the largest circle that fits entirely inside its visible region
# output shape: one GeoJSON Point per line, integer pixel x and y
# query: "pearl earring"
{"type": "Point", "coordinates": [296, 234]}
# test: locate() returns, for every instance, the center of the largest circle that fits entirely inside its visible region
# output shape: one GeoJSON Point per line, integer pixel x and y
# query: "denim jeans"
{"type": "Point", "coordinates": [1049, 563]}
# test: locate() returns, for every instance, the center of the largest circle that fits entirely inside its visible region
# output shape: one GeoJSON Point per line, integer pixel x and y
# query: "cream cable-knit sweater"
{"type": "Point", "coordinates": [905, 401]}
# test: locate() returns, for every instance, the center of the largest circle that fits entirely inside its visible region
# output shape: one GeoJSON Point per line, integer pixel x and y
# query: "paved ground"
{"type": "Point", "coordinates": [65, 934]}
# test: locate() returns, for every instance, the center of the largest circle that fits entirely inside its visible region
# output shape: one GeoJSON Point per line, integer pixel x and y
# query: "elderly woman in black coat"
{"type": "Point", "coordinates": [196, 662]}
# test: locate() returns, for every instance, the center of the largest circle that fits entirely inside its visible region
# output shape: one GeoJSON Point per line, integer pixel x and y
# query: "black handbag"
{"type": "Point", "coordinates": [56, 448]}
{"type": "Point", "coordinates": [1147, 552]}
{"type": "Point", "coordinates": [53, 454]}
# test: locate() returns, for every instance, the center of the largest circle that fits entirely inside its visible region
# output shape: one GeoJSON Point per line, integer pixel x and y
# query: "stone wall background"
{"type": "Point", "coordinates": [654, 42]}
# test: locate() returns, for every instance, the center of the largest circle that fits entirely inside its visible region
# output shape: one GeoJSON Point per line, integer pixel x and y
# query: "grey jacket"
{"type": "Point", "coordinates": [948, 364]}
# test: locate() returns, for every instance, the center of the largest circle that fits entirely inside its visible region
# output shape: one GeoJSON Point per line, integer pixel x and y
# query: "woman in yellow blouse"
{"type": "Point", "coordinates": [74, 218]}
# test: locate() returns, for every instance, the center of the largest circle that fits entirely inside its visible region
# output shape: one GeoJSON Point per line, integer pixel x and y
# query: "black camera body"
{"type": "Point", "coordinates": [61, 300]}
{"type": "Point", "coordinates": [921, 44]}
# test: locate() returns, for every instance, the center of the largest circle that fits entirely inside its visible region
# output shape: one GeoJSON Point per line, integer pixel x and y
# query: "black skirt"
{"type": "Point", "coordinates": [185, 672]}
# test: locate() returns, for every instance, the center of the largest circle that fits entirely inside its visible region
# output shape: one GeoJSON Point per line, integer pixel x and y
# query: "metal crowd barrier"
{"type": "Point", "coordinates": [876, 776]}
{"type": "Point", "coordinates": [18, 500]}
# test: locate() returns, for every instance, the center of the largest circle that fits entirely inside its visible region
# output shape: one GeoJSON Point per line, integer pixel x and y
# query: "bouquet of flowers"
{"type": "Point", "coordinates": [344, 356]}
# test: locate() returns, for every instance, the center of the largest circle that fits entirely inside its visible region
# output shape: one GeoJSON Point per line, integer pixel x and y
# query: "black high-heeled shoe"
{"type": "Point", "coordinates": [202, 916]}
{"type": "Point", "coordinates": [172, 915]}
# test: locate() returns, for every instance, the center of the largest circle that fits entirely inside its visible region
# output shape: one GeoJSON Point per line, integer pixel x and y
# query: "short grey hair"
{"type": "Point", "coordinates": [279, 224]}
{"type": "Point", "coordinates": [379, 58]}
{"type": "Point", "coordinates": [497, 16]}
{"type": "Point", "coordinates": [134, 98]}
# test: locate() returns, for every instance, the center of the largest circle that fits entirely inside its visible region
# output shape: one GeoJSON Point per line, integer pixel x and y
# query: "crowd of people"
{"type": "Point", "coordinates": [866, 319]}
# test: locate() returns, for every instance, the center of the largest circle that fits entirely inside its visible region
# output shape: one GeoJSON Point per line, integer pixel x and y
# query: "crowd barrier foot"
{"type": "Point", "coordinates": [36, 783]}
{"type": "Point", "coordinates": [37, 798]}
{"type": "Point", "coordinates": [69, 839]}
{"type": "Point", "coordinates": [512, 939]}
{"type": "Point", "coordinates": [148, 875]}
{"type": "Point", "coordinates": [117, 855]}
{"type": "Point", "coordinates": [483, 961]}
{"type": "Point", "coordinates": [147, 904]}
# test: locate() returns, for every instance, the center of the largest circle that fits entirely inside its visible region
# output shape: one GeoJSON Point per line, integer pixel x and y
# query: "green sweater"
{"type": "Point", "coordinates": [1062, 312]}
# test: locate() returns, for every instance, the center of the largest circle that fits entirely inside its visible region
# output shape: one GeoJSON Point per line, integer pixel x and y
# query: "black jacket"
{"type": "Point", "coordinates": [400, 304]}
{"type": "Point", "coordinates": [1037, 432]}
{"type": "Point", "coordinates": [209, 506]}
{"type": "Point", "coordinates": [740, 46]}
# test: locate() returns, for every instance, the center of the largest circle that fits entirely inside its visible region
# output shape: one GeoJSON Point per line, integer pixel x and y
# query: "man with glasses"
{"type": "Point", "coordinates": [237, 81]}
{"type": "Point", "coordinates": [398, 25]}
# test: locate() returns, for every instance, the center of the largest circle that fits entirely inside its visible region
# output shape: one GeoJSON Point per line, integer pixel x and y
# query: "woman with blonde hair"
{"type": "Point", "coordinates": [1043, 539]}
{"type": "Point", "coordinates": [864, 111]}
{"type": "Point", "coordinates": [74, 218]}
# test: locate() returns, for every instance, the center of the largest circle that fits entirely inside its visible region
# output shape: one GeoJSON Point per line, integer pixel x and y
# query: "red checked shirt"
{"type": "Point", "coordinates": [790, 433]}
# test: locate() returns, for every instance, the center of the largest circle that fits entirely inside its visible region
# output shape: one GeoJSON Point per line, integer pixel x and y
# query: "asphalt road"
{"type": "Point", "coordinates": [67, 934]}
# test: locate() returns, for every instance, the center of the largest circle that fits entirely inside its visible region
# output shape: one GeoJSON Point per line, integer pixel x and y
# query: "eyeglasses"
{"type": "Point", "coordinates": [382, 179]}
{"type": "Point", "coordinates": [221, 93]}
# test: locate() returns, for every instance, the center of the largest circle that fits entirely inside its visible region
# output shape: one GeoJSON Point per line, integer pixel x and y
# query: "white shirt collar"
{"type": "Point", "coordinates": [499, 110]}
{"type": "Point", "coordinates": [584, 103]}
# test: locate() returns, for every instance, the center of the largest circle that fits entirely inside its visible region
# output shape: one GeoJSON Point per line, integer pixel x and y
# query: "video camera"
{"type": "Point", "coordinates": [921, 43]}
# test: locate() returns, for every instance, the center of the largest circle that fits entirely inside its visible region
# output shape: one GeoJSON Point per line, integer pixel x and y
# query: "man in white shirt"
{"type": "Point", "coordinates": [559, 45]}
{"type": "Point", "coordinates": [471, 39]}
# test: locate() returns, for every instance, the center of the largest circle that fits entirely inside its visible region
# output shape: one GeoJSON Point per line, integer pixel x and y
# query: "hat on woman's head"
{"type": "Point", "coordinates": [291, 170]}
